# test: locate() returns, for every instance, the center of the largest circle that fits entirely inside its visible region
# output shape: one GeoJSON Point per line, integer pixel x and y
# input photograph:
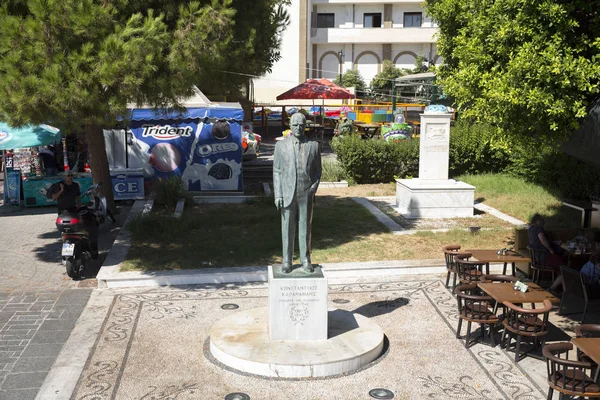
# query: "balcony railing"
{"type": "Point", "coordinates": [417, 2]}
{"type": "Point", "coordinates": [373, 35]}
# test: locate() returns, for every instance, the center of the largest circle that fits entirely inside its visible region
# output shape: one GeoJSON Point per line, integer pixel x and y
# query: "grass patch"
{"type": "Point", "coordinates": [250, 234]}
{"type": "Point", "coordinates": [239, 234]}
{"type": "Point", "coordinates": [520, 199]}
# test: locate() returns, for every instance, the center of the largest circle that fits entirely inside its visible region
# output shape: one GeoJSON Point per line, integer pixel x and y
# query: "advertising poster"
{"type": "Point", "coordinates": [205, 153]}
{"type": "Point", "coordinates": [127, 185]}
{"type": "Point", "coordinates": [34, 190]}
{"type": "Point", "coordinates": [14, 186]}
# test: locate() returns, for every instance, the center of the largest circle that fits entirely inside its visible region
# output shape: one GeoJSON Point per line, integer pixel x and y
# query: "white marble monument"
{"type": "Point", "coordinates": [297, 305]}
{"type": "Point", "coordinates": [433, 195]}
{"type": "Point", "coordinates": [296, 336]}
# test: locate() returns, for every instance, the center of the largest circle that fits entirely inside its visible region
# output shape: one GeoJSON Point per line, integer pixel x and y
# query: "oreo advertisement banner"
{"type": "Point", "coordinates": [207, 156]}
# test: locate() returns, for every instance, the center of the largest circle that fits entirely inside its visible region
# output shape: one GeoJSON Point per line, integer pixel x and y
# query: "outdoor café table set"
{"type": "Point", "coordinates": [480, 295]}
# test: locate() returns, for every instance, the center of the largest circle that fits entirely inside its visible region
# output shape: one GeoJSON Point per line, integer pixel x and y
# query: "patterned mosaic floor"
{"type": "Point", "coordinates": [153, 346]}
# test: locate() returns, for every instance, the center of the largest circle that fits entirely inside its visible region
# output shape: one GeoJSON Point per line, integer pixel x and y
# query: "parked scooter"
{"type": "Point", "coordinates": [79, 232]}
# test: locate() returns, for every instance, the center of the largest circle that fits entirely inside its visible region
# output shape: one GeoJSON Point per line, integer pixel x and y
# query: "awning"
{"type": "Point", "coordinates": [29, 136]}
{"type": "Point", "coordinates": [229, 111]}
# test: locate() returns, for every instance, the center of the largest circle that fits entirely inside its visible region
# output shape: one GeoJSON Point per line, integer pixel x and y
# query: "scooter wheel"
{"type": "Point", "coordinates": [72, 269]}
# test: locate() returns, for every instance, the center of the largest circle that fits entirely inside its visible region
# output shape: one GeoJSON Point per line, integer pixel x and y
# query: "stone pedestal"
{"type": "Point", "coordinates": [418, 198]}
{"type": "Point", "coordinates": [297, 304]}
{"type": "Point", "coordinates": [296, 336]}
{"type": "Point", "coordinates": [433, 195]}
{"type": "Point", "coordinates": [434, 147]}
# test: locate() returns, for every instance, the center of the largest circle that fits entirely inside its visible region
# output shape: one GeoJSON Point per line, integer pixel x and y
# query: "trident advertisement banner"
{"type": "Point", "coordinates": [205, 153]}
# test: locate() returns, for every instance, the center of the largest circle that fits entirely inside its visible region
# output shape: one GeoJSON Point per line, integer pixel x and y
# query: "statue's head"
{"type": "Point", "coordinates": [297, 124]}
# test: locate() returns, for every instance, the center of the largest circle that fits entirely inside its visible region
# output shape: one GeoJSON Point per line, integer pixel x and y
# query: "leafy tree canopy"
{"type": "Point", "coordinates": [81, 61]}
{"type": "Point", "coordinates": [383, 80]}
{"type": "Point", "coordinates": [530, 67]}
{"type": "Point", "coordinates": [351, 78]}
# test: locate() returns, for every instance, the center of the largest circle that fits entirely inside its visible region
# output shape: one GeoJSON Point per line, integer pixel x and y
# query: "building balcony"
{"type": "Point", "coordinates": [410, 2]}
{"type": "Point", "coordinates": [373, 35]}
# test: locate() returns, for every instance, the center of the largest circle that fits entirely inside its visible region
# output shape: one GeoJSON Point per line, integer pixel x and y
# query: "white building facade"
{"type": "Point", "coordinates": [328, 37]}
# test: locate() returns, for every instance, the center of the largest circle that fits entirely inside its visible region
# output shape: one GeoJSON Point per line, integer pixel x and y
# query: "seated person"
{"type": "Point", "coordinates": [553, 256]}
{"type": "Point", "coordinates": [591, 272]}
{"type": "Point", "coordinates": [539, 241]}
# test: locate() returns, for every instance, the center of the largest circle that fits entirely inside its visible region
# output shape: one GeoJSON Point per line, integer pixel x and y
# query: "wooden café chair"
{"type": "Point", "coordinates": [469, 271]}
{"type": "Point", "coordinates": [521, 322]}
{"type": "Point", "coordinates": [587, 331]}
{"type": "Point", "coordinates": [450, 251]}
{"type": "Point", "coordinates": [568, 377]}
{"type": "Point", "coordinates": [574, 287]}
{"type": "Point", "coordinates": [538, 264]}
{"type": "Point", "coordinates": [477, 308]}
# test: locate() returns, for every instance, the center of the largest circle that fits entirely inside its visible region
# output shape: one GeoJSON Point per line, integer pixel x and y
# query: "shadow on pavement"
{"type": "Point", "coordinates": [377, 308]}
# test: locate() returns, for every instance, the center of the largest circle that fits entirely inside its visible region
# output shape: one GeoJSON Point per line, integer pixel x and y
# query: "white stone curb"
{"type": "Point", "coordinates": [498, 214]}
{"type": "Point", "coordinates": [64, 374]}
{"type": "Point", "coordinates": [381, 217]}
{"type": "Point", "coordinates": [179, 208]}
{"type": "Point", "coordinates": [330, 185]}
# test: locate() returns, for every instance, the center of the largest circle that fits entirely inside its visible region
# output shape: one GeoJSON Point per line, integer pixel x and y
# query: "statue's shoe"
{"type": "Point", "coordinates": [308, 267]}
{"type": "Point", "coordinates": [286, 268]}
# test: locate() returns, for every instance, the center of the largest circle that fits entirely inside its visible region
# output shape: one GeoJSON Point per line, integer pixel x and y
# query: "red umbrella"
{"type": "Point", "coordinates": [316, 89]}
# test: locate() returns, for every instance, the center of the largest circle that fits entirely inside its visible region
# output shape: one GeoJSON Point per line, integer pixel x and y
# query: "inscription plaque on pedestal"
{"type": "Point", "coordinates": [297, 304]}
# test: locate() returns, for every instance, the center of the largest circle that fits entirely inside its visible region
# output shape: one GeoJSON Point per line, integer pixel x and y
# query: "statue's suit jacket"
{"type": "Point", "coordinates": [284, 168]}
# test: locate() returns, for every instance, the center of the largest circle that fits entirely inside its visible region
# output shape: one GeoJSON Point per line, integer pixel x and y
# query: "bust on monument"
{"type": "Point", "coordinates": [296, 177]}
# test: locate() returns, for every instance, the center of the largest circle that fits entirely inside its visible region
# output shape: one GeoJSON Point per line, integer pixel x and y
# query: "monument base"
{"type": "Point", "coordinates": [241, 341]}
{"type": "Point", "coordinates": [424, 198]}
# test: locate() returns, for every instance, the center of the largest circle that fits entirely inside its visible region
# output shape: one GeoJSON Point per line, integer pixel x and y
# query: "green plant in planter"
{"type": "Point", "coordinates": [168, 191]}
{"type": "Point", "coordinates": [332, 171]}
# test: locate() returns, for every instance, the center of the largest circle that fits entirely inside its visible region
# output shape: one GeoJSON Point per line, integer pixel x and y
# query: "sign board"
{"type": "Point", "coordinates": [14, 186]}
{"type": "Point", "coordinates": [127, 186]}
{"type": "Point", "coordinates": [34, 190]}
{"type": "Point", "coordinates": [206, 153]}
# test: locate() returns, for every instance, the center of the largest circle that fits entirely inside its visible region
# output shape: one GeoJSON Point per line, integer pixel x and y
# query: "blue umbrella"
{"type": "Point", "coordinates": [28, 136]}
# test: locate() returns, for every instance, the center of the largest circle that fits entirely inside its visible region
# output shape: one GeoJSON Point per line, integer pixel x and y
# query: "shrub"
{"type": "Point", "coordinates": [376, 161]}
{"type": "Point", "coordinates": [473, 149]}
{"type": "Point", "coordinates": [476, 149]}
{"type": "Point", "coordinates": [333, 171]}
{"type": "Point", "coordinates": [168, 191]}
{"type": "Point", "coordinates": [563, 175]}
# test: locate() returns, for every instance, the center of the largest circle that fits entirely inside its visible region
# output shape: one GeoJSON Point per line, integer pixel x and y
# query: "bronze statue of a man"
{"type": "Point", "coordinates": [296, 177]}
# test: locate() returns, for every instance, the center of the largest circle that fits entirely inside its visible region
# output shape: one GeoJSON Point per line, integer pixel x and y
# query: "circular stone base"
{"type": "Point", "coordinates": [241, 341]}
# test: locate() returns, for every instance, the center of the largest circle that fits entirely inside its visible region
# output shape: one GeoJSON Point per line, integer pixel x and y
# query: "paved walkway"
{"type": "Point", "coordinates": [154, 344]}
{"type": "Point", "coordinates": [39, 303]}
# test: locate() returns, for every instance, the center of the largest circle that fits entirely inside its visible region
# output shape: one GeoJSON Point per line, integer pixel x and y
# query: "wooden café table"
{"type": "Point", "coordinates": [506, 292]}
{"type": "Point", "coordinates": [591, 348]}
{"type": "Point", "coordinates": [368, 130]}
{"type": "Point", "coordinates": [491, 256]}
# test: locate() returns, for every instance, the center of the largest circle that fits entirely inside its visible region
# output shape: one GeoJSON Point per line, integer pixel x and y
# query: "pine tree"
{"type": "Point", "coordinates": [76, 64]}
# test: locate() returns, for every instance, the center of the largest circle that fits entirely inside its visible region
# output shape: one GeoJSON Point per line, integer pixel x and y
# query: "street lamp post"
{"type": "Point", "coordinates": [341, 56]}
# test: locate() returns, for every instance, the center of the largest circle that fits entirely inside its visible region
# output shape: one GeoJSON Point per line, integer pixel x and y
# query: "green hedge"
{"type": "Point", "coordinates": [375, 161]}
{"type": "Point", "coordinates": [561, 174]}
{"type": "Point", "coordinates": [476, 149]}
{"type": "Point", "coordinates": [473, 149]}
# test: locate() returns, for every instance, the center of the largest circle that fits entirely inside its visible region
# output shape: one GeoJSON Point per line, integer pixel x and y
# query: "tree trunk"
{"type": "Point", "coordinates": [99, 163]}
